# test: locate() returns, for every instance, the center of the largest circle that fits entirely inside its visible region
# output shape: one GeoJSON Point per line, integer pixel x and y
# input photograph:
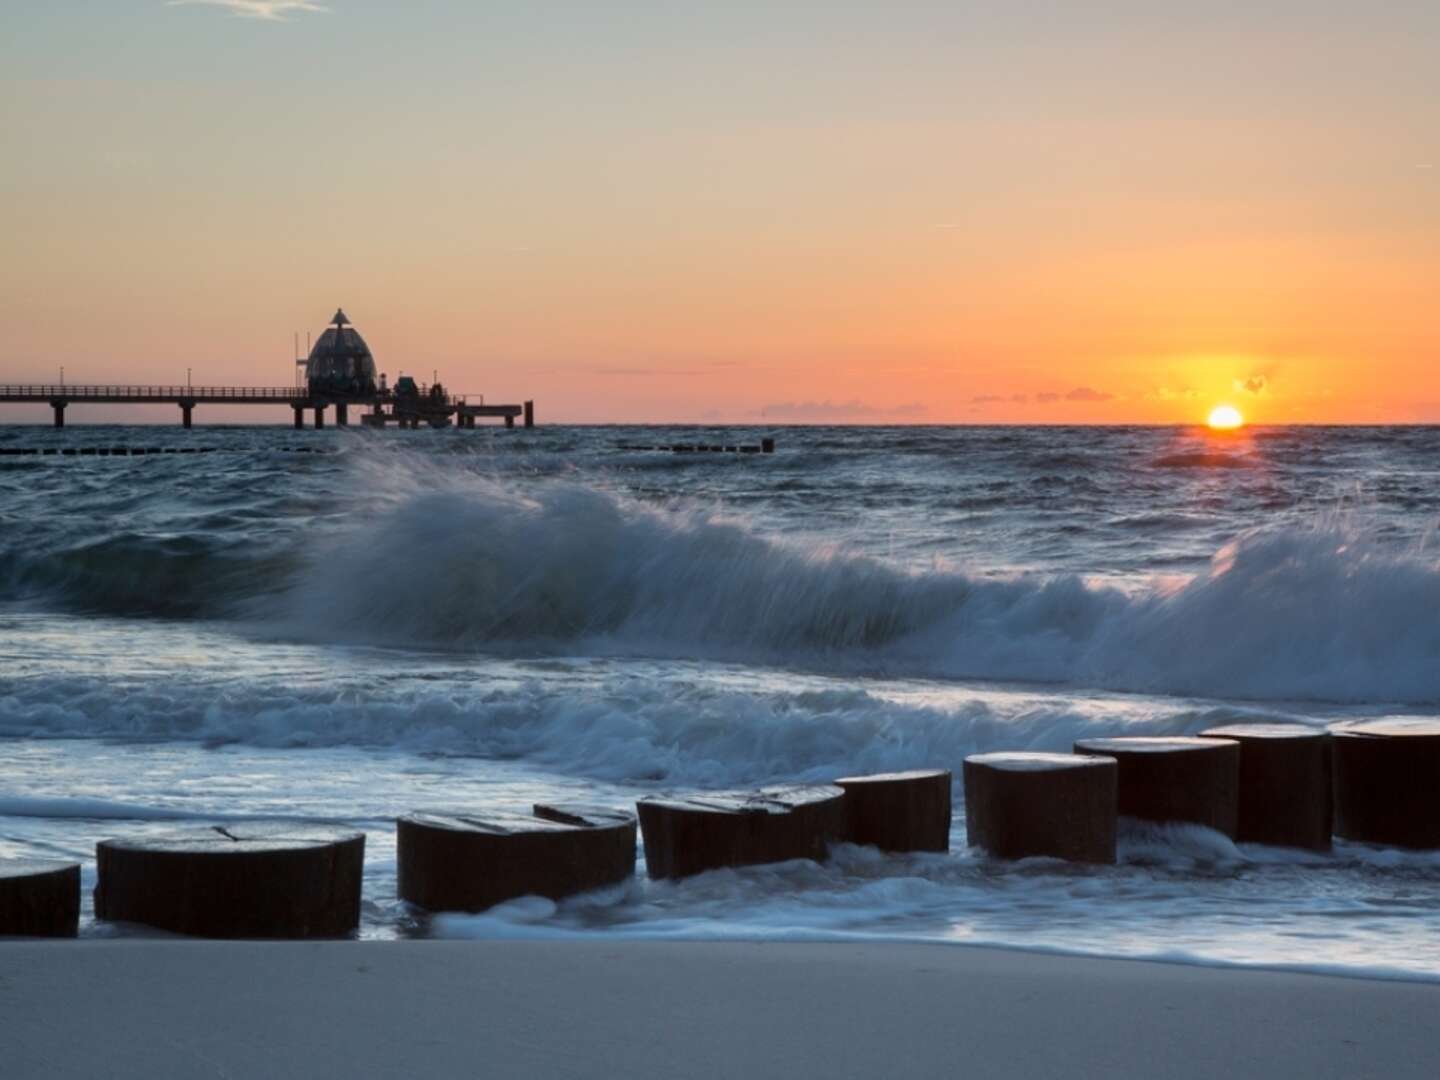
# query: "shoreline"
{"type": "Point", "coordinates": [145, 1007]}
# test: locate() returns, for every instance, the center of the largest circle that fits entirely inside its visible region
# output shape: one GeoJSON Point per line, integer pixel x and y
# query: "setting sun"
{"type": "Point", "coordinates": [1225, 418]}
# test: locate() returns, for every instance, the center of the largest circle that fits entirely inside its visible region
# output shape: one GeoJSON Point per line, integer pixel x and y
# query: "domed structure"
{"type": "Point", "coordinates": [340, 364]}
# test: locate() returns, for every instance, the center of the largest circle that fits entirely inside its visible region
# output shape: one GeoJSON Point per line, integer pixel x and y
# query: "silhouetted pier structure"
{"type": "Point", "coordinates": [339, 372]}
{"type": "Point", "coordinates": [383, 406]}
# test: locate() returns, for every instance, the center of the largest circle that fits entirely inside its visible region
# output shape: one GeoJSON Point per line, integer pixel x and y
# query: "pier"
{"type": "Point", "coordinates": [61, 397]}
{"type": "Point", "coordinates": [339, 372]}
{"type": "Point", "coordinates": [382, 405]}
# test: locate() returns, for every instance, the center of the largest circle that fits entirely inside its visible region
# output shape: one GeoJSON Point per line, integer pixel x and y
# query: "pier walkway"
{"type": "Point", "coordinates": [60, 396]}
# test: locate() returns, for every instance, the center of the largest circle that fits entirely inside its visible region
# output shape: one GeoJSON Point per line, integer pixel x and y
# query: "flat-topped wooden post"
{"type": "Point", "coordinates": [904, 811]}
{"type": "Point", "coordinates": [1286, 787]}
{"type": "Point", "coordinates": [688, 834]}
{"type": "Point", "coordinates": [1387, 781]}
{"type": "Point", "coordinates": [469, 862]}
{"type": "Point", "coordinates": [1019, 805]}
{"type": "Point", "coordinates": [1178, 778]}
{"type": "Point", "coordinates": [39, 898]}
{"type": "Point", "coordinates": [262, 880]}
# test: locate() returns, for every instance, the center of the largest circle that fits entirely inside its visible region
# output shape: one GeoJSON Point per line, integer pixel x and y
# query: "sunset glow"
{"type": "Point", "coordinates": [964, 215]}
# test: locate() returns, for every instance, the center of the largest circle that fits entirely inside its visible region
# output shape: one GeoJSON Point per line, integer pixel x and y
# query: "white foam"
{"type": "Point", "coordinates": [646, 728]}
{"type": "Point", "coordinates": [469, 562]}
{"type": "Point", "coordinates": [97, 809]}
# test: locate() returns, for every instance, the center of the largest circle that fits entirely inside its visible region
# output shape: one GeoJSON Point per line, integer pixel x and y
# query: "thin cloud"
{"type": "Point", "coordinates": [648, 371]}
{"type": "Point", "coordinates": [1258, 382]}
{"type": "Point", "coordinates": [837, 410]}
{"type": "Point", "coordinates": [1084, 393]}
{"type": "Point", "coordinates": [1172, 393]}
{"type": "Point", "coordinates": [1080, 393]}
{"type": "Point", "coordinates": [265, 10]}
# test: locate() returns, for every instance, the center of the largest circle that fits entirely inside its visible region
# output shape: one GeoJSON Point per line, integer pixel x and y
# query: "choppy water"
{"type": "Point", "coordinates": [473, 619]}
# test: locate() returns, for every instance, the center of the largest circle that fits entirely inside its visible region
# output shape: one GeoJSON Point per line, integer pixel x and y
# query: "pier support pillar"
{"type": "Point", "coordinates": [319, 417]}
{"type": "Point", "coordinates": [299, 416]}
{"type": "Point", "coordinates": [239, 881]}
{"type": "Point", "coordinates": [39, 898]}
{"type": "Point", "coordinates": [59, 407]}
{"type": "Point", "coordinates": [186, 409]}
{"type": "Point", "coordinates": [1020, 805]}
{"type": "Point", "coordinates": [1286, 784]}
{"type": "Point", "coordinates": [1175, 779]}
{"type": "Point", "coordinates": [529, 414]}
{"type": "Point", "coordinates": [509, 421]}
{"type": "Point", "coordinates": [906, 811]}
{"type": "Point", "coordinates": [342, 415]}
{"type": "Point", "coordinates": [1385, 790]}
{"type": "Point", "coordinates": [688, 835]}
{"type": "Point", "coordinates": [463, 862]}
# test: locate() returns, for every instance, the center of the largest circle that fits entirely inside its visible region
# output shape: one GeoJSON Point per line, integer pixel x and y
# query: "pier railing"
{"type": "Point", "coordinates": [171, 394]}
{"type": "Point", "coordinates": [407, 410]}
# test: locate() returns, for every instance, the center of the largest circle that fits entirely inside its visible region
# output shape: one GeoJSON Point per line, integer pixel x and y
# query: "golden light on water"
{"type": "Point", "coordinates": [1225, 418]}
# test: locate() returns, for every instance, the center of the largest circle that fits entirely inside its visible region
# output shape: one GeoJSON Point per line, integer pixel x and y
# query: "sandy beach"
{"type": "Point", "coordinates": [639, 1009]}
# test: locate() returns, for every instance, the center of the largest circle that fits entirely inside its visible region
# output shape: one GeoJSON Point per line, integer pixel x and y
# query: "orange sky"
{"type": "Point", "coordinates": [761, 214]}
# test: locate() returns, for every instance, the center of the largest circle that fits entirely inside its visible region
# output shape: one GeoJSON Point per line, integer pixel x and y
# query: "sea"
{"type": "Point", "coordinates": [342, 626]}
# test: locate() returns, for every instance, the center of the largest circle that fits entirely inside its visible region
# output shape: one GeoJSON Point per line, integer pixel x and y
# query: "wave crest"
{"type": "Point", "coordinates": [1324, 613]}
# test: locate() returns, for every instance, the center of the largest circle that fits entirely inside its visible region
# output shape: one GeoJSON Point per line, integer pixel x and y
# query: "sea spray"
{"type": "Point", "coordinates": [479, 552]}
{"type": "Point", "coordinates": [1322, 613]}
{"type": "Point", "coordinates": [664, 729]}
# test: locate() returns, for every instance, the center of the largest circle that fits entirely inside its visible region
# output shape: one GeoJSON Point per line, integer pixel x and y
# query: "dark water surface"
{"type": "Point", "coordinates": [431, 619]}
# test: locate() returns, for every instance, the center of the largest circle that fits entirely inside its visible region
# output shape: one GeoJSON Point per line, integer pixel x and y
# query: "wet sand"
{"type": "Point", "coordinates": [153, 1008]}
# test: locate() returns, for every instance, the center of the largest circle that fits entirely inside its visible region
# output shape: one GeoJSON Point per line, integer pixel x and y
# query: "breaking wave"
{"type": "Point", "coordinates": [454, 561]}
{"type": "Point", "coordinates": [618, 728]}
{"type": "Point", "coordinates": [1323, 613]}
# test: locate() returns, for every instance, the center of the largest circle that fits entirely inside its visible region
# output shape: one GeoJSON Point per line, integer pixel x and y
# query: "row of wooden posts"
{"type": "Point", "coordinates": [1285, 784]}
{"type": "Point", "coordinates": [141, 451]}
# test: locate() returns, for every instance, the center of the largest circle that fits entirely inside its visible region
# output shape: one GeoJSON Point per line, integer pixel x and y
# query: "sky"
{"type": "Point", "coordinates": [959, 212]}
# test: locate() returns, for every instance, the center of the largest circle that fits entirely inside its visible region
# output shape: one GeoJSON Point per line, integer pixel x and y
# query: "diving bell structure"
{"type": "Point", "coordinates": [340, 365]}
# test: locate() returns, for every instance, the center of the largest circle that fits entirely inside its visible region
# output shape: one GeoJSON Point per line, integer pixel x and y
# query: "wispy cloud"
{"type": "Point", "coordinates": [267, 10]}
{"type": "Point", "coordinates": [1080, 393]}
{"type": "Point", "coordinates": [995, 399]}
{"type": "Point", "coordinates": [1171, 393]}
{"type": "Point", "coordinates": [821, 411]}
{"type": "Point", "coordinates": [647, 371]}
{"type": "Point", "coordinates": [1259, 381]}
{"type": "Point", "coordinates": [1085, 393]}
